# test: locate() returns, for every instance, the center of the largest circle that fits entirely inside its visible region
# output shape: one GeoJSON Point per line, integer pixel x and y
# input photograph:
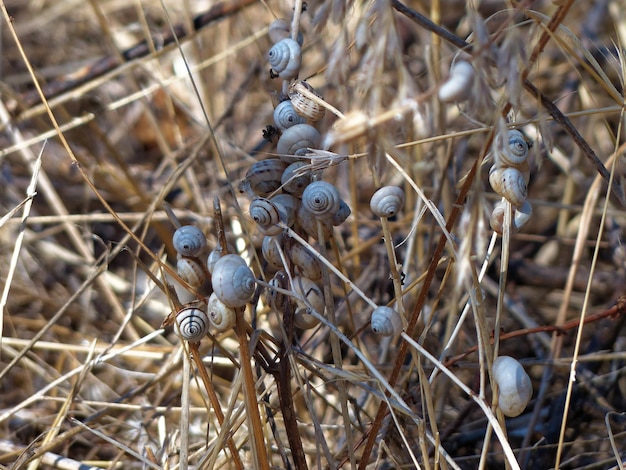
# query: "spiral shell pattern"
{"type": "Point", "coordinates": [514, 151]}
{"type": "Point", "coordinates": [386, 321]}
{"type": "Point", "coordinates": [298, 139]}
{"type": "Point", "coordinates": [509, 183]}
{"type": "Point", "coordinates": [285, 116]}
{"type": "Point", "coordinates": [264, 213]}
{"type": "Point", "coordinates": [221, 317]}
{"type": "Point", "coordinates": [285, 57]}
{"type": "Point", "coordinates": [233, 281]}
{"type": "Point", "coordinates": [295, 178]}
{"type": "Point", "coordinates": [193, 323]}
{"type": "Point", "coordinates": [322, 199]}
{"type": "Point", "coordinates": [387, 201]}
{"type": "Point", "coordinates": [306, 101]}
{"type": "Point", "coordinates": [189, 240]}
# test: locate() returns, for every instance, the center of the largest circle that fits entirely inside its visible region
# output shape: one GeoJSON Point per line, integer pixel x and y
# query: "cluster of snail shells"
{"type": "Point", "coordinates": [514, 386]}
{"type": "Point", "coordinates": [190, 244]}
{"type": "Point", "coordinates": [509, 178]}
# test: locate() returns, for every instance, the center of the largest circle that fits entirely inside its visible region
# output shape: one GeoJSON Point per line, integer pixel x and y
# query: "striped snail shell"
{"type": "Point", "coordinates": [509, 183]}
{"type": "Point", "coordinates": [280, 29]}
{"type": "Point", "coordinates": [298, 139]}
{"type": "Point", "coordinates": [458, 86]}
{"type": "Point", "coordinates": [270, 249]}
{"type": "Point", "coordinates": [285, 57]}
{"type": "Point", "coordinates": [265, 214]}
{"type": "Point", "coordinates": [306, 101]}
{"type": "Point", "coordinates": [513, 151]}
{"type": "Point", "coordinates": [285, 116]}
{"type": "Point", "coordinates": [342, 214]}
{"type": "Point", "coordinates": [295, 178]}
{"type": "Point", "coordinates": [264, 176]}
{"type": "Point", "coordinates": [306, 220]}
{"type": "Point", "coordinates": [189, 240]}
{"type": "Point", "coordinates": [220, 316]}
{"type": "Point", "coordinates": [387, 201]}
{"type": "Point", "coordinates": [233, 281]}
{"type": "Point", "coordinates": [307, 289]}
{"type": "Point", "coordinates": [322, 199]}
{"type": "Point", "coordinates": [191, 271]}
{"type": "Point", "coordinates": [193, 323]}
{"type": "Point", "coordinates": [386, 321]}
{"type": "Point", "coordinates": [306, 263]}
{"type": "Point", "coordinates": [514, 386]}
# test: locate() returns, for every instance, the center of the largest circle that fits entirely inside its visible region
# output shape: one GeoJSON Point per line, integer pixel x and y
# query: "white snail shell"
{"type": "Point", "coordinates": [306, 101]}
{"type": "Point", "coordinates": [264, 176]}
{"type": "Point", "coordinates": [314, 296]}
{"type": "Point", "coordinates": [297, 140]}
{"type": "Point", "coordinates": [386, 321]}
{"type": "Point", "coordinates": [458, 86]}
{"type": "Point", "coordinates": [285, 116]}
{"type": "Point", "coordinates": [221, 317]}
{"type": "Point", "coordinates": [270, 250]}
{"type": "Point", "coordinates": [191, 271]}
{"type": "Point", "coordinates": [322, 199]}
{"type": "Point", "coordinates": [308, 222]}
{"type": "Point", "coordinates": [514, 386]}
{"type": "Point", "coordinates": [509, 183]}
{"type": "Point", "coordinates": [280, 29]}
{"type": "Point", "coordinates": [285, 57]}
{"type": "Point", "coordinates": [342, 214]}
{"type": "Point", "coordinates": [215, 254]}
{"type": "Point", "coordinates": [189, 240]}
{"type": "Point", "coordinates": [306, 263]}
{"type": "Point", "coordinates": [295, 178]}
{"type": "Point", "coordinates": [513, 151]}
{"type": "Point", "coordinates": [233, 281]}
{"type": "Point", "coordinates": [265, 214]}
{"type": "Point", "coordinates": [193, 323]}
{"type": "Point", "coordinates": [387, 201]}
{"type": "Point", "coordinates": [522, 215]}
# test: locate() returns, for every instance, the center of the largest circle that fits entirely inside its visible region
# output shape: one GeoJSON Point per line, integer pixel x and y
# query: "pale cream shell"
{"type": "Point", "coordinates": [221, 317]}
{"type": "Point", "coordinates": [514, 386]}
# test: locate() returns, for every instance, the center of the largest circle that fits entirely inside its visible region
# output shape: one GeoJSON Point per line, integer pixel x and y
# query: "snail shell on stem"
{"type": "Point", "coordinates": [386, 321]}
{"type": "Point", "coordinates": [306, 262]}
{"type": "Point", "coordinates": [306, 101]}
{"type": "Point", "coordinates": [285, 57]}
{"type": "Point", "coordinates": [285, 116]}
{"type": "Point", "coordinates": [233, 281]}
{"type": "Point", "coordinates": [297, 140]}
{"type": "Point", "coordinates": [193, 323]}
{"type": "Point", "coordinates": [509, 183]}
{"type": "Point", "coordinates": [512, 151]}
{"type": "Point", "coordinates": [387, 201]}
{"type": "Point", "coordinates": [215, 254]}
{"type": "Point", "coordinates": [264, 176]}
{"type": "Point", "coordinates": [220, 316]}
{"type": "Point", "coordinates": [322, 199]}
{"type": "Point", "coordinates": [280, 29]}
{"type": "Point", "coordinates": [309, 290]}
{"type": "Point", "coordinates": [191, 271]}
{"type": "Point", "coordinates": [295, 178]}
{"type": "Point", "coordinates": [189, 240]}
{"type": "Point", "coordinates": [514, 386]}
{"type": "Point", "coordinates": [270, 249]}
{"type": "Point", "coordinates": [458, 86]}
{"type": "Point", "coordinates": [307, 221]}
{"type": "Point", "coordinates": [265, 214]}
{"type": "Point", "coordinates": [342, 214]}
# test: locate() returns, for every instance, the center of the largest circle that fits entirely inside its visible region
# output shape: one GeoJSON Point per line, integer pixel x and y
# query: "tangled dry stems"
{"type": "Point", "coordinates": [87, 373]}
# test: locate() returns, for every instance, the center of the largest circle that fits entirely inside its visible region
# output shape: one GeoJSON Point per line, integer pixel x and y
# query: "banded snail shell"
{"type": "Point", "coordinates": [387, 201]}
{"type": "Point", "coordinates": [386, 321]}
{"type": "Point", "coordinates": [306, 101]}
{"type": "Point", "coordinates": [264, 176]}
{"type": "Point", "coordinates": [458, 86]}
{"type": "Point", "coordinates": [295, 178]}
{"type": "Point", "coordinates": [191, 271]}
{"type": "Point", "coordinates": [322, 199]}
{"type": "Point", "coordinates": [189, 240]}
{"type": "Point", "coordinates": [271, 250]}
{"type": "Point", "coordinates": [514, 386]}
{"type": "Point", "coordinates": [233, 281]}
{"type": "Point", "coordinates": [265, 214]}
{"type": "Point", "coordinates": [285, 116]}
{"type": "Point", "coordinates": [513, 151]}
{"type": "Point", "coordinates": [285, 57]}
{"type": "Point", "coordinates": [309, 290]}
{"type": "Point", "coordinates": [297, 140]}
{"type": "Point", "coordinates": [509, 183]}
{"type": "Point", "coordinates": [306, 262]}
{"type": "Point", "coordinates": [221, 317]}
{"type": "Point", "coordinates": [193, 323]}
{"type": "Point", "coordinates": [309, 224]}
{"type": "Point", "coordinates": [342, 214]}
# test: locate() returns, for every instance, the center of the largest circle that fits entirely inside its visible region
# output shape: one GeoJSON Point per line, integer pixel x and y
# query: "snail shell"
{"type": "Point", "coordinates": [193, 323]}
{"type": "Point", "coordinates": [509, 183]}
{"type": "Point", "coordinates": [270, 250]}
{"type": "Point", "coordinates": [522, 215]}
{"type": "Point", "coordinates": [386, 321]}
{"type": "Point", "coordinates": [280, 29]}
{"type": "Point", "coordinates": [191, 271]}
{"type": "Point", "coordinates": [322, 199]}
{"type": "Point", "coordinates": [277, 299]}
{"type": "Point", "coordinates": [306, 262]}
{"type": "Point", "coordinates": [514, 386]}
{"type": "Point", "coordinates": [458, 86]}
{"type": "Point", "coordinates": [285, 116]}
{"type": "Point", "coordinates": [387, 201]}
{"type": "Point", "coordinates": [215, 254]}
{"type": "Point", "coordinates": [342, 214]}
{"type": "Point", "coordinates": [496, 221]}
{"type": "Point", "coordinates": [220, 316]}
{"type": "Point", "coordinates": [298, 139]}
{"type": "Point", "coordinates": [287, 206]}
{"type": "Point", "coordinates": [233, 281]}
{"type": "Point", "coordinates": [285, 57]}
{"type": "Point", "coordinates": [189, 240]}
{"type": "Point", "coordinates": [264, 176]}
{"type": "Point", "coordinates": [512, 152]}
{"type": "Point", "coordinates": [265, 214]}
{"type": "Point", "coordinates": [308, 223]}
{"type": "Point", "coordinates": [309, 290]}
{"type": "Point", "coordinates": [295, 178]}
{"type": "Point", "coordinates": [306, 101]}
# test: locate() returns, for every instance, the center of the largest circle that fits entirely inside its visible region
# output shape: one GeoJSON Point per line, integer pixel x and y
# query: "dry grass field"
{"type": "Point", "coordinates": [122, 120]}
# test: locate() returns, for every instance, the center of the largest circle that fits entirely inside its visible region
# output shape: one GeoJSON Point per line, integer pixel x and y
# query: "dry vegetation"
{"type": "Point", "coordinates": [89, 379]}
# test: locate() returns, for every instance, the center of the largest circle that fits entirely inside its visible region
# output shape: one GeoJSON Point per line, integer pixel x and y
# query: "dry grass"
{"type": "Point", "coordinates": [88, 379]}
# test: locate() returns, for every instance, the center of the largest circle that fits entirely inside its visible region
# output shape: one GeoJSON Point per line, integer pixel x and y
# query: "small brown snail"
{"type": "Point", "coordinates": [233, 281]}
{"type": "Point", "coordinates": [387, 201]}
{"type": "Point", "coordinates": [514, 386]}
{"type": "Point", "coordinates": [193, 323]}
{"type": "Point", "coordinates": [386, 321]}
{"type": "Point", "coordinates": [264, 177]}
{"type": "Point", "coordinates": [189, 240]}
{"type": "Point", "coordinates": [191, 271]}
{"type": "Point", "coordinates": [285, 57]}
{"type": "Point", "coordinates": [513, 151]}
